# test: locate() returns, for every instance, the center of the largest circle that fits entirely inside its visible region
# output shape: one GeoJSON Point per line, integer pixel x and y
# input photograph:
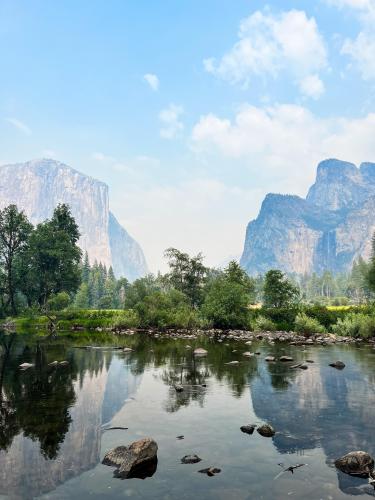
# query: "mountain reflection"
{"type": "Point", "coordinates": [52, 417]}
{"type": "Point", "coordinates": [320, 407]}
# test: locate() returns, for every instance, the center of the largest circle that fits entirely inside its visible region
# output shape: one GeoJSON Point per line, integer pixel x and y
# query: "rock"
{"type": "Point", "coordinates": [248, 429]}
{"type": "Point", "coordinates": [303, 366]}
{"type": "Point", "coordinates": [309, 361]}
{"type": "Point", "coordinates": [178, 388]}
{"type": "Point", "coordinates": [64, 363]}
{"type": "Point", "coordinates": [210, 471]}
{"type": "Point", "coordinates": [129, 460]}
{"type": "Point", "coordinates": [200, 352]}
{"type": "Point", "coordinates": [356, 463]}
{"type": "Point", "coordinates": [269, 358]}
{"type": "Point", "coordinates": [285, 358]}
{"type": "Point", "coordinates": [249, 342]}
{"type": "Point", "coordinates": [248, 354]}
{"type": "Point", "coordinates": [127, 349]}
{"type": "Point", "coordinates": [180, 437]}
{"type": "Point", "coordinates": [338, 364]}
{"type": "Point", "coordinates": [54, 363]}
{"type": "Point", "coordinates": [232, 363]}
{"type": "Point", "coordinates": [25, 366]}
{"type": "Point", "coordinates": [190, 459]}
{"type": "Point", "coordinates": [266, 430]}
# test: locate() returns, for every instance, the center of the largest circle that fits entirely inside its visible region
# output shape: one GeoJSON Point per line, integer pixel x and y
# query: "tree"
{"type": "Point", "coordinates": [15, 230]}
{"type": "Point", "coordinates": [278, 290]}
{"type": "Point", "coordinates": [55, 255]}
{"type": "Point", "coordinates": [227, 300]}
{"type": "Point", "coordinates": [187, 274]}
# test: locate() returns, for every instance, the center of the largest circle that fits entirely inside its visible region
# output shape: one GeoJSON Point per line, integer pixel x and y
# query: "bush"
{"type": "Point", "coordinates": [283, 317]}
{"type": "Point", "coordinates": [263, 324]}
{"type": "Point", "coordinates": [355, 325]}
{"type": "Point", "coordinates": [306, 325]}
{"type": "Point", "coordinates": [59, 301]}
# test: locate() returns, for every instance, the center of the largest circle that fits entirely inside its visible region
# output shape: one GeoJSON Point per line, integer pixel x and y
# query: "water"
{"type": "Point", "coordinates": [52, 436]}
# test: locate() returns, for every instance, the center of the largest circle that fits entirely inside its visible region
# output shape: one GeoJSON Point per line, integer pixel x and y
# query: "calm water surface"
{"type": "Point", "coordinates": [53, 420]}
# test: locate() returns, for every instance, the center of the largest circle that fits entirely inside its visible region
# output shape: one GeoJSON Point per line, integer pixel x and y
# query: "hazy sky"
{"type": "Point", "coordinates": [190, 110]}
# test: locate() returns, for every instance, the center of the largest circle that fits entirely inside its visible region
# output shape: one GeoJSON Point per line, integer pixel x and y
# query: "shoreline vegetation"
{"type": "Point", "coordinates": [46, 283]}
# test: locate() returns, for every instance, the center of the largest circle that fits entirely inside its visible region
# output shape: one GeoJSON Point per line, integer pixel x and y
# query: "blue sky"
{"type": "Point", "coordinates": [190, 110]}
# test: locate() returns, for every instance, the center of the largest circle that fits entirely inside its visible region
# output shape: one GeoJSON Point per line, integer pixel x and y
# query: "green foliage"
{"type": "Point", "coordinates": [278, 291]}
{"type": "Point", "coordinates": [263, 324]}
{"type": "Point", "coordinates": [307, 325]}
{"type": "Point", "coordinates": [356, 325]}
{"type": "Point", "coordinates": [59, 301]}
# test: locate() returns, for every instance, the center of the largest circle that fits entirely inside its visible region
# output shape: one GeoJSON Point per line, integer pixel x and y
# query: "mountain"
{"type": "Point", "coordinates": [327, 230]}
{"type": "Point", "coordinates": [38, 186]}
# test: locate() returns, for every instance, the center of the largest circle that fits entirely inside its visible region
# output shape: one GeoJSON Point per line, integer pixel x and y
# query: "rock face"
{"type": "Point", "coordinates": [328, 230]}
{"type": "Point", "coordinates": [38, 186]}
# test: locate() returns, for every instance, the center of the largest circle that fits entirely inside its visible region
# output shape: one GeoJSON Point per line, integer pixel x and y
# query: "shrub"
{"type": "Point", "coordinates": [355, 325]}
{"type": "Point", "coordinates": [305, 324]}
{"type": "Point", "coordinates": [283, 317]}
{"type": "Point", "coordinates": [263, 324]}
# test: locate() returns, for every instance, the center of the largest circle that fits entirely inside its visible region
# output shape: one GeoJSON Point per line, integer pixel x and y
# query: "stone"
{"type": "Point", "coordinates": [25, 366]}
{"type": "Point", "coordinates": [248, 354]}
{"type": "Point", "coordinates": [266, 430]}
{"type": "Point", "coordinates": [285, 358]}
{"type": "Point", "coordinates": [178, 388]}
{"type": "Point", "coordinates": [303, 366]}
{"type": "Point", "coordinates": [200, 352]}
{"type": "Point", "coordinates": [129, 460]}
{"type": "Point", "coordinates": [232, 363]}
{"type": "Point", "coordinates": [269, 358]}
{"type": "Point", "coordinates": [210, 471]}
{"type": "Point", "coordinates": [248, 429]}
{"type": "Point", "coordinates": [64, 363]}
{"type": "Point", "coordinates": [54, 363]}
{"type": "Point", "coordinates": [190, 459]}
{"type": "Point", "coordinates": [338, 364]}
{"type": "Point", "coordinates": [127, 349]}
{"type": "Point", "coordinates": [356, 463]}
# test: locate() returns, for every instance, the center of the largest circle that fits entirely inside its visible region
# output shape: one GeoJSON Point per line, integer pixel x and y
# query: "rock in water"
{"type": "Point", "coordinates": [200, 352]}
{"type": "Point", "coordinates": [25, 366]}
{"type": "Point", "coordinates": [266, 430]}
{"type": "Point", "coordinates": [190, 459]}
{"type": "Point", "coordinates": [178, 388]}
{"type": "Point", "coordinates": [356, 463]}
{"type": "Point", "coordinates": [285, 358]}
{"type": "Point", "coordinates": [248, 429]}
{"type": "Point", "coordinates": [138, 459]}
{"type": "Point", "coordinates": [248, 354]}
{"type": "Point", "coordinates": [210, 471]}
{"type": "Point", "coordinates": [269, 358]}
{"type": "Point", "coordinates": [338, 364]}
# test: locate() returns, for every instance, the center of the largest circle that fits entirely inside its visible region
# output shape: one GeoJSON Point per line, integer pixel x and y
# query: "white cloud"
{"type": "Point", "coordinates": [312, 86]}
{"type": "Point", "coordinates": [171, 123]}
{"type": "Point", "coordinates": [271, 44]}
{"type": "Point", "coordinates": [152, 80]}
{"type": "Point", "coordinates": [361, 49]}
{"type": "Point", "coordinates": [285, 141]}
{"type": "Point", "coordinates": [21, 126]}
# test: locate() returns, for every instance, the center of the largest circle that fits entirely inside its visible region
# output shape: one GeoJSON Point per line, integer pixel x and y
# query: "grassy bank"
{"type": "Point", "coordinates": [354, 321]}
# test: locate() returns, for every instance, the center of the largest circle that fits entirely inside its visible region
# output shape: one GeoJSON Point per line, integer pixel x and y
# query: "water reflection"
{"type": "Point", "coordinates": [52, 418]}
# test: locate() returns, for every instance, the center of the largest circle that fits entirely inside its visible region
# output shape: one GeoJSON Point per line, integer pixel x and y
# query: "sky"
{"type": "Point", "coordinates": [191, 111]}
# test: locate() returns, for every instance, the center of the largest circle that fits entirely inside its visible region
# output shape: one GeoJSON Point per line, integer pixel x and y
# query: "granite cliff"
{"type": "Point", "coordinates": [327, 230]}
{"type": "Point", "coordinates": [38, 186]}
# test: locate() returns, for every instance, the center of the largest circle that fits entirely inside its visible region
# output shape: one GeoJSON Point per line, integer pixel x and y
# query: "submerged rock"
{"type": "Point", "coordinates": [285, 358]}
{"type": "Point", "coordinates": [248, 429]}
{"type": "Point", "coordinates": [200, 352]}
{"type": "Point", "coordinates": [266, 430]}
{"type": "Point", "coordinates": [338, 364]}
{"type": "Point", "coordinates": [210, 471]}
{"type": "Point", "coordinates": [356, 463]}
{"type": "Point", "coordinates": [190, 459]}
{"type": "Point", "coordinates": [139, 459]}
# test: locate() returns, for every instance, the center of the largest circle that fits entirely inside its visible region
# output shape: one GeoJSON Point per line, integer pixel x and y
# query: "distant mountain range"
{"type": "Point", "coordinates": [38, 186]}
{"type": "Point", "coordinates": [327, 230]}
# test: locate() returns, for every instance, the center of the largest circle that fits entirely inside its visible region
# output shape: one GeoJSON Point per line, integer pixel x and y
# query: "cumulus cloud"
{"type": "Point", "coordinates": [21, 126]}
{"type": "Point", "coordinates": [152, 80]}
{"type": "Point", "coordinates": [269, 45]}
{"type": "Point", "coordinates": [361, 49]}
{"type": "Point", "coordinates": [171, 122]}
{"type": "Point", "coordinates": [285, 139]}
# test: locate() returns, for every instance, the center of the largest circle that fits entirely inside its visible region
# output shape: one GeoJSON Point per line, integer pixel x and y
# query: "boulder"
{"type": "Point", "coordinates": [356, 463]}
{"type": "Point", "coordinates": [127, 349]}
{"type": "Point", "coordinates": [266, 430]}
{"type": "Point", "coordinates": [200, 352]}
{"type": "Point", "coordinates": [25, 366]}
{"type": "Point", "coordinates": [269, 358]}
{"type": "Point", "coordinates": [338, 364]}
{"type": "Point", "coordinates": [178, 388]}
{"type": "Point", "coordinates": [210, 471]}
{"type": "Point", "coordinates": [139, 459]}
{"type": "Point", "coordinates": [248, 354]}
{"type": "Point", "coordinates": [232, 363]}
